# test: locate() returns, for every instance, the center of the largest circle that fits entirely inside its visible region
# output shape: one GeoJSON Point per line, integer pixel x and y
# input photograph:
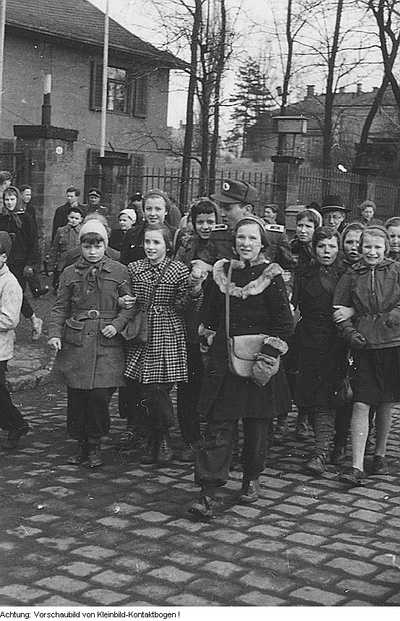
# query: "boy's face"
{"type": "Point", "coordinates": [205, 222]}
{"type": "Point", "coordinates": [394, 237]}
{"type": "Point", "coordinates": [74, 218]}
{"type": "Point", "coordinates": [3, 259]}
{"type": "Point", "coordinates": [10, 201]}
{"type": "Point", "coordinates": [93, 252]}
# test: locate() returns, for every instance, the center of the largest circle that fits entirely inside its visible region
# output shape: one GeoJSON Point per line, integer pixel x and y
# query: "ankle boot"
{"type": "Point", "coordinates": [150, 455]}
{"type": "Point", "coordinates": [164, 453]}
{"type": "Point", "coordinates": [94, 456]}
{"type": "Point", "coordinates": [81, 455]}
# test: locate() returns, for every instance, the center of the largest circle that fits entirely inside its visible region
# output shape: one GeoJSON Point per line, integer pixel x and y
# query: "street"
{"type": "Point", "coordinates": [121, 535]}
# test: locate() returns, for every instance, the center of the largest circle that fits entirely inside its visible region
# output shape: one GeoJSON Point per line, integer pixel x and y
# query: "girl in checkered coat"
{"type": "Point", "coordinates": [162, 361]}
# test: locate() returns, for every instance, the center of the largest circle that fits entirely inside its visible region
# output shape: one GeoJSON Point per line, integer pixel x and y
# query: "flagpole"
{"type": "Point", "coordinates": [2, 32]}
{"type": "Point", "coordinates": [104, 86]}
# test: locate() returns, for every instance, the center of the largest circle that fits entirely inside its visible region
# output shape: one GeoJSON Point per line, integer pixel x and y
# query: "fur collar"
{"type": "Point", "coordinates": [254, 287]}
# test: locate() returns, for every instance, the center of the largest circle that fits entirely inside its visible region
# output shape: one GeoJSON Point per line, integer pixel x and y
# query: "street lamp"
{"type": "Point", "coordinates": [286, 126]}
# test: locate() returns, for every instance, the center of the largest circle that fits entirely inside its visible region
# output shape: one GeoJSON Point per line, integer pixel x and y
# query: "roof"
{"type": "Point", "coordinates": [82, 22]}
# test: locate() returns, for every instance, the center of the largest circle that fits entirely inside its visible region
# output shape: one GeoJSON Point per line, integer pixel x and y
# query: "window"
{"type": "Point", "coordinates": [126, 93]}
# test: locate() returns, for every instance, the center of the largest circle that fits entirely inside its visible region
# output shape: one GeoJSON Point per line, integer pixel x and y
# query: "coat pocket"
{"type": "Point", "coordinates": [73, 332]}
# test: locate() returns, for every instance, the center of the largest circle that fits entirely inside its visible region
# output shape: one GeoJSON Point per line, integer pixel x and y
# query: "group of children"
{"type": "Point", "coordinates": [98, 298]}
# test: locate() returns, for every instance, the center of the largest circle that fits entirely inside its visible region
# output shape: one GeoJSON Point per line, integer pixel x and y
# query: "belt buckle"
{"type": "Point", "coordinates": [93, 313]}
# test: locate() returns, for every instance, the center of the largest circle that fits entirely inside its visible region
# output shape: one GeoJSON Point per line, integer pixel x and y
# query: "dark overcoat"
{"type": "Point", "coordinates": [225, 396]}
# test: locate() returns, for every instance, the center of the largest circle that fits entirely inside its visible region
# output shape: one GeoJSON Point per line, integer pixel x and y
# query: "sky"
{"type": "Point", "coordinates": [255, 26]}
{"type": "Point", "coordinates": [139, 17]}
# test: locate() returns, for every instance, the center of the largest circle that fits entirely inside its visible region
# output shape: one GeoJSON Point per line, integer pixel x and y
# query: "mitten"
{"type": "Point", "coordinates": [264, 368]}
{"type": "Point", "coordinates": [348, 332]}
{"type": "Point", "coordinates": [393, 318]}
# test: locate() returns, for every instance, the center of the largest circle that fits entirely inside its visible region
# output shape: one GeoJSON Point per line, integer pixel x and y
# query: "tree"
{"type": "Point", "coordinates": [252, 99]}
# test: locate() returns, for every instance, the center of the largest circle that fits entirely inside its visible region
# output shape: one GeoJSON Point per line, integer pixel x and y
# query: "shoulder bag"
{"type": "Point", "coordinates": [241, 349]}
{"type": "Point", "coordinates": [137, 329]}
{"type": "Point", "coordinates": [344, 392]}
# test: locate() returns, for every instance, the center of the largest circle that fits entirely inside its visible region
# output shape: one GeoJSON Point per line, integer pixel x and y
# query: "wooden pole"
{"type": "Point", "coordinates": [2, 32]}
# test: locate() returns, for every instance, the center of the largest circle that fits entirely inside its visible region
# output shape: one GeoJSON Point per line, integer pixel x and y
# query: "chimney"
{"type": "Point", "coordinates": [359, 88]}
{"type": "Point", "coordinates": [310, 90]}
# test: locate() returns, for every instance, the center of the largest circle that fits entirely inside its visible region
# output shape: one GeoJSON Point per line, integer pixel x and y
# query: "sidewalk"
{"type": "Point", "coordinates": [30, 367]}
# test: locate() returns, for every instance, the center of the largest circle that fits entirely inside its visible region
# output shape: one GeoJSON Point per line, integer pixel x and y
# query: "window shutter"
{"type": "Point", "coordinates": [140, 96]}
{"type": "Point", "coordinates": [96, 85]}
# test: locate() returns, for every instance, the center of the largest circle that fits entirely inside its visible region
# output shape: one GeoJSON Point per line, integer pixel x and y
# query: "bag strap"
{"type": "Point", "coordinates": [153, 291]}
{"type": "Point", "coordinates": [227, 301]}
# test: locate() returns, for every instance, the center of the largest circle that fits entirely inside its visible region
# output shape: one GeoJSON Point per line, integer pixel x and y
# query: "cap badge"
{"type": "Point", "coordinates": [226, 187]}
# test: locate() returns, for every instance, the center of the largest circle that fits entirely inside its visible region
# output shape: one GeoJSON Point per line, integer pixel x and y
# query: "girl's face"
{"type": "Point", "coordinates": [394, 237]}
{"type": "Point", "coordinates": [248, 242]}
{"type": "Point", "coordinates": [305, 230]}
{"type": "Point", "coordinates": [350, 246]}
{"type": "Point", "coordinates": [155, 210]}
{"type": "Point", "coordinates": [368, 213]}
{"type": "Point", "coordinates": [154, 247]}
{"type": "Point", "coordinates": [373, 249]}
{"type": "Point", "coordinates": [205, 222]}
{"type": "Point", "coordinates": [125, 223]}
{"type": "Point", "coordinates": [10, 201]}
{"type": "Point", "coordinates": [326, 251]}
{"type": "Point", "coordinates": [93, 252]}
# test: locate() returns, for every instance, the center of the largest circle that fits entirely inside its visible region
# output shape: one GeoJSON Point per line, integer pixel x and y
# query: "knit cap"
{"type": "Point", "coordinates": [94, 226]}
{"type": "Point", "coordinates": [130, 213]}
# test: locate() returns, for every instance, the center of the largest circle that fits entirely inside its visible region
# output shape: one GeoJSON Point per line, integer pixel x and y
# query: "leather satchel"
{"type": "Point", "coordinates": [137, 329]}
{"type": "Point", "coordinates": [344, 393]}
{"type": "Point", "coordinates": [241, 349]}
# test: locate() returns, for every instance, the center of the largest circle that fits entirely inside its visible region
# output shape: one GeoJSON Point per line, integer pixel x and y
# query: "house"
{"type": "Point", "coordinates": [349, 112]}
{"type": "Point", "coordinates": [52, 92]}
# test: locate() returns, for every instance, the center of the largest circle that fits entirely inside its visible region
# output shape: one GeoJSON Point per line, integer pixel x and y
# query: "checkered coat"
{"type": "Point", "coordinates": [163, 358]}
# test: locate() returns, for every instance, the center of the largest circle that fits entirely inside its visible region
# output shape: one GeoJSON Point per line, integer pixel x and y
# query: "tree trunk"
{"type": "Point", "coordinates": [217, 103]}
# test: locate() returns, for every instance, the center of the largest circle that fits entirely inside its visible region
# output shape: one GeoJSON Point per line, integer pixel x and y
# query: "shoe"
{"type": "Point", "coordinates": [150, 456]}
{"type": "Point", "coordinates": [302, 432]}
{"type": "Point", "coordinates": [250, 492]}
{"type": "Point", "coordinates": [338, 456]}
{"type": "Point", "coordinates": [81, 454]}
{"type": "Point", "coordinates": [186, 456]}
{"type": "Point", "coordinates": [353, 477]}
{"type": "Point", "coordinates": [37, 329]}
{"type": "Point", "coordinates": [164, 452]}
{"type": "Point", "coordinates": [39, 292]}
{"type": "Point", "coordinates": [280, 433]}
{"type": "Point", "coordinates": [204, 507]}
{"type": "Point", "coordinates": [14, 436]}
{"type": "Point", "coordinates": [316, 464]}
{"type": "Point", "coordinates": [379, 465]}
{"type": "Point", "coordinates": [129, 441]}
{"type": "Point", "coordinates": [94, 457]}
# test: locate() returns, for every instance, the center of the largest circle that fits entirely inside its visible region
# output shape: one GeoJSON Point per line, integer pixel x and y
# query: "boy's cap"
{"type": "Point", "coordinates": [5, 175]}
{"type": "Point", "coordinates": [233, 191]}
{"type": "Point", "coordinates": [94, 226]}
{"type": "Point", "coordinates": [5, 242]}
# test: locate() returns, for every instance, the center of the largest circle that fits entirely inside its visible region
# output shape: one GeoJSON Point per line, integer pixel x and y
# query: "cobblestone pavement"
{"type": "Point", "coordinates": [121, 535]}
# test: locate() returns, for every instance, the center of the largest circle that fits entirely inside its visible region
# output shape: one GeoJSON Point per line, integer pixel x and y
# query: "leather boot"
{"type": "Point", "coordinates": [94, 456]}
{"type": "Point", "coordinates": [14, 436]}
{"type": "Point", "coordinates": [164, 453]}
{"type": "Point", "coordinates": [81, 455]}
{"type": "Point", "coordinates": [250, 492]}
{"type": "Point", "coordinates": [150, 455]}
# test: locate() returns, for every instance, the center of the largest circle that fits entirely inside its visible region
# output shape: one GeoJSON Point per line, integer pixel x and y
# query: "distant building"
{"type": "Point", "coordinates": [349, 112]}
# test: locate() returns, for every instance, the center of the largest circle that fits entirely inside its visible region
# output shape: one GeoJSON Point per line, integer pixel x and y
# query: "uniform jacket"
{"type": "Point", "coordinates": [88, 359]}
{"type": "Point", "coordinates": [24, 250]}
{"type": "Point", "coordinates": [373, 293]}
{"type": "Point", "coordinates": [66, 238]}
{"type": "Point", "coordinates": [163, 358]}
{"type": "Point", "coordinates": [10, 308]}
